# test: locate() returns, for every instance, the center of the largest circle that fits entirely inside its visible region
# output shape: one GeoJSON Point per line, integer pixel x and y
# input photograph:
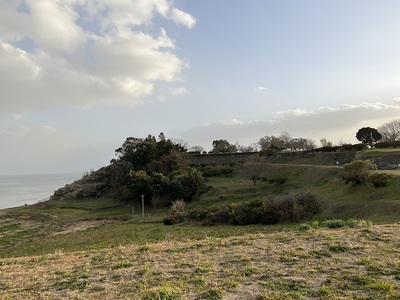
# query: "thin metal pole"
{"type": "Point", "coordinates": [142, 205]}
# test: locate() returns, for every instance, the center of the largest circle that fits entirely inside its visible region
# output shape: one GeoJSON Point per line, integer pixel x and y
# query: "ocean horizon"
{"type": "Point", "coordinates": [19, 190]}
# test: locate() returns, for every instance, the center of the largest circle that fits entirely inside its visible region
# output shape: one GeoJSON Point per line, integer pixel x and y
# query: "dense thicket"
{"type": "Point", "coordinates": [155, 168]}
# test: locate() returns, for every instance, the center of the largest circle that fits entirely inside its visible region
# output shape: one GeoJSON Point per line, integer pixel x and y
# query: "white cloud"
{"type": "Point", "coordinates": [181, 17]}
{"type": "Point", "coordinates": [85, 53]}
{"type": "Point", "coordinates": [261, 88]}
{"type": "Point", "coordinates": [177, 91]}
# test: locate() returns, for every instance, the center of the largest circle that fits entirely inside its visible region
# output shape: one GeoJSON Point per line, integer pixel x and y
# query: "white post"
{"type": "Point", "coordinates": [142, 205]}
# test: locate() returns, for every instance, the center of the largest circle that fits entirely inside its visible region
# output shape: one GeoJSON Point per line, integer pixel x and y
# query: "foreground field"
{"type": "Point", "coordinates": [345, 263]}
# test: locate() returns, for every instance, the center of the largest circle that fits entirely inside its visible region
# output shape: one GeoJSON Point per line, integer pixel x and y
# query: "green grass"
{"type": "Point", "coordinates": [94, 249]}
{"type": "Point", "coordinates": [77, 225]}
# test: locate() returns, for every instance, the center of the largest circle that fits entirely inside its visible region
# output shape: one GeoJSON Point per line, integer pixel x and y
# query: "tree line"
{"type": "Point", "coordinates": [386, 135]}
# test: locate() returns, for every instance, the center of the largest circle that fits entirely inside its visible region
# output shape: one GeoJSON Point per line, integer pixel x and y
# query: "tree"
{"type": "Point", "coordinates": [253, 167]}
{"type": "Point", "coordinates": [144, 154]}
{"type": "Point", "coordinates": [156, 168]}
{"type": "Point", "coordinates": [357, 172]}
{"type": "Point", "coordinates": [196, 149]}
{"type": "Point", "coordinates": [285, 137]}
{"type": "Point", "coordinates": [223, 146]}
{"type": "Point", "coordinates": [325, 142]}
{"type": "Point", "coordinates": [246, 149]}
{"type": "Point", "coordinates": [390, 131]}
{"type": "Point", "coordinates": [301, 144]}
{"type": "Point", "coordinates": [268, 142]}
{"type": "Point", "coordinates": [369, 136]}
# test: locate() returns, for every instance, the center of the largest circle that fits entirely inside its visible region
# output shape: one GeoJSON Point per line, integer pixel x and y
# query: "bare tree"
{"type": "Point", "coordinates": [197, 149]}
{"type": "Point", "coordinates": [325, 142]}
{"type": "Point", "coordinates": [267, 142]}
{"type": "Point", "coordinates": [253, 167]}
{"type": "Point", "coordinates": [249, 148]}
{"type": "Point", "coordinates": [285, 138]}
{"type": "Point", "coordinates": [390, 131]}
{"type": "Point", "coordinates": [299, 144]}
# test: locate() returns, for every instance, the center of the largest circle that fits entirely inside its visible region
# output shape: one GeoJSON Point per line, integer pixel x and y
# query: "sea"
{"type": "Point", "coordinates": [18, 190]}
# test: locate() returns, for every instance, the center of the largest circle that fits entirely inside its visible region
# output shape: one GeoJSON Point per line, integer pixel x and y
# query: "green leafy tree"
{"type": "Point", "coordinates": [150, 154]}
{"type": "Point", "coordinates": [186, 184]}
{"type": "Point", "coordinates": [156, 168]}
{"type": "Point", "coordinates": [369, 136]}
{"type": "Point", "coordinates": [357, 172]}
{"type": "Point", "coordinates": [222, 146]}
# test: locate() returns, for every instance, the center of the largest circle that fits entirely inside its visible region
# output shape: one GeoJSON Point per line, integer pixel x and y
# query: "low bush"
{"type": "Point", "coordinates": [297, 207]}
{"type": "Point", "coordinates": [357, 172]}
{"type": "Point", "coordinates": [217, 170]}
{"type": "Point", "coordinates": [280, 180]}
{"type": "Point", "coordinates": [305, 227]}
{"type": "Point", "coordinates": [352, 222]}
{"type": "Point", "coordinates": [379, 179]}
{"type": "Point", "coordinates": [334, 223]}
{"type": "Point", "coordinates": [254, 212]}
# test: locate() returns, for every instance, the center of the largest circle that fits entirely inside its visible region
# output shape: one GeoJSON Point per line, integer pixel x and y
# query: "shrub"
{"type": "Point", "coordinates": [308, 204]}
{"type": "Point", "coordinates": [219, 170]}
{"type": "Point", "coordinates": [358, 223]}
{"type": "Point", "coordinates": [337, 223]}
{"type": "Point", "coordinates": [177, 213]}
{"type": "Point", "coordinates": [254, 212]}
{"type": "Point", "coordinates": [280, 180]}
{"type": "Point", "coordinates": [379, 179]}
{"type": "Point", "coordinates": [186, 184]}
{"type": "Point", "coordinates": [296, 207]}
{"type": "Point", "coordinates": [304, 227]}
{"type": "Point", "coordinates": [357, 172]}
{"type": "Point", "coordinates": [334, 223]}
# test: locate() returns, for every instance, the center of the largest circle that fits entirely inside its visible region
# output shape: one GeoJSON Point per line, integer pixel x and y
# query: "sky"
{"type": "Point", "coordinates": [77, 77]}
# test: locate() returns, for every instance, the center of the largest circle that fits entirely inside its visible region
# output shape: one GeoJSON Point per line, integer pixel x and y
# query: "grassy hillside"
{"type": "Point", "coordinates": [94, 248]}
{"type": "Point", "coordinates": [380, 205]}
{"type": "Point", "coordinates": [77, 225]}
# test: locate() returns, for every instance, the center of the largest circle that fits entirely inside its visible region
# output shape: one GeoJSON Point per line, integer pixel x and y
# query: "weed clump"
{"type": "Point", "coordinates": [164, 293]}
{"type": "Point", "coordinates": [177, 213]}
{"type": "Point", "coordinates": [352, 222]}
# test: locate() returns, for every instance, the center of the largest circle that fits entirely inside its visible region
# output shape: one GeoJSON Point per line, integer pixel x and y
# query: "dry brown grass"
{"type": "Point", "coordinates": [356, 263]}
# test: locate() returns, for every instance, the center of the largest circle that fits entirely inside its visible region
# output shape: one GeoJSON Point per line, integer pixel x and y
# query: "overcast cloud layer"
{"type": "Point", "coordinates": [79, 76]}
